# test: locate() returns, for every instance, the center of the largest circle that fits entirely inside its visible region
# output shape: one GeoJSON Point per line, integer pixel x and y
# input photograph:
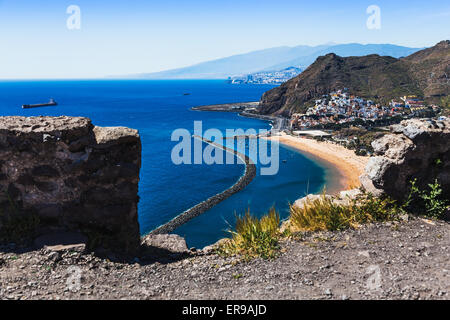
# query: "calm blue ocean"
{"type": "Point", "coordinates": [156, 108]}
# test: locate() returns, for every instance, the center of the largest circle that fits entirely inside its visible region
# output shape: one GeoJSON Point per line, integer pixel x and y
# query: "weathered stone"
{"type": "Point", "coordinates": [170, 242]}
{"type": "Point", "coordinates": [26, 180]}
{"type": "Point", "coordinates": [113, 135]}
{"type": "Point", "coordinates": [34, 128]}
{"type": "Point", "coordinates": [415, 128]}
{"type": "Point", "coordinates": [418, 149]}
{"type": "Point", "coordinates": [53, 166]}
{"type": "Point", "coordinates": [350, 194]}
{"type": "Point", "coordinates": [368, 186]}
{"type": "Point", "coordinates": [309, 198]}
{"type": "Point", "coordinates": [392, 146]}
{"type": "Point", "coordinates": [62, 241]}
{"type": "Point", "coordinates": [80, 144]}
{"type": "Point", "coordinates": [213, 247]}
{"type": "Point", "coordinates": [13, 192]}
{"type": "Point", "coordinates": [344, 198]}
{"type": "Point", "coordinates": [45, 171]}
{"type": "Point", "coordinates": [98, 195]}
{"type": "Point", "coordinates": [46, 186]}
{"type": "Point", "coordinates": [50, 211]}
{"type": "Point", "coordinates": [376, 168]}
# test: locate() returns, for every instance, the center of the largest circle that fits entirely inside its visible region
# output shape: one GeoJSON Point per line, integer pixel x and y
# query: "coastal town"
{"type": "Point", "coordinates": [336, 110]}
{"type": "Point", "coordinates": [268, 77]}
{"type": "Point", "coordinates": [342, 107]}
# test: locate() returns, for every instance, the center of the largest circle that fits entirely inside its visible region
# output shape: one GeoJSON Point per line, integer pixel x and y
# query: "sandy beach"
{"type": "Point", "coordinates": [348, 166]}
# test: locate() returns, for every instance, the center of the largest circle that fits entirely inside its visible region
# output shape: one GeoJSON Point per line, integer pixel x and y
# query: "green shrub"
{"type": "Point", "coordinates": [254, 237]}
{"type": "Point", "coordinates": [431, 204]}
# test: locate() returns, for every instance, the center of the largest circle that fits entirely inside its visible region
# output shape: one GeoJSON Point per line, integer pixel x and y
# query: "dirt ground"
{"type": "Point", "coordinates": [409, 260]}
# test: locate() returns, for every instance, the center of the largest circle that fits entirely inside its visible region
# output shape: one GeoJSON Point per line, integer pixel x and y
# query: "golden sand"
{"type": "Point", "coordinates": [348, 164]}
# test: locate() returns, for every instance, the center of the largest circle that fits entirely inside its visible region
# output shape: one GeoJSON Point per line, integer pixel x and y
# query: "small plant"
{"type": "Point", "coordinates": [431, 203]}
{"type": "Point", "coordinates": [412, 196]}
{"type": "Point", "coordinates": [325, 214]}
{"type": "Point", "coordinates": [254, 237]}
{"type": "Point", "coordinates": [434, 204]}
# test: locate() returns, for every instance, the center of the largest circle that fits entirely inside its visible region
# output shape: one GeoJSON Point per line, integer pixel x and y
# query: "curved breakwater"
{"type": "Point", "coordinates": [246, 178]}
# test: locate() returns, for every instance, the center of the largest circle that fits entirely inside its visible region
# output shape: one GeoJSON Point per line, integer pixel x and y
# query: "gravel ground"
{"type": "Point", "coordinates": [410, 260]}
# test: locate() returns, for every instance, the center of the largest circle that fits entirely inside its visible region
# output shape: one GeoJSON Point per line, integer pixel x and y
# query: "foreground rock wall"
{"type": "Point", "coordinates": [415, 149]}
{"type": "Point", "coordinates": [70, 176]}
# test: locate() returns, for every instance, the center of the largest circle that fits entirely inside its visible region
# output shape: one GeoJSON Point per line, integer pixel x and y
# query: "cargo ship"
{"type": "Point", "coordinates": [52, 102]}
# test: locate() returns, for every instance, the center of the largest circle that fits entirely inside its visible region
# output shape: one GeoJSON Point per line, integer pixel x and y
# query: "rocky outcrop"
{"type": "Point", "coordinates": [415, 149]}
{"type": "Point", "coordinates": [344, 198]}
{"type": "Point", "coordinates": [65, 174]}
{"type": "Point", "coordinates": [169, 242]}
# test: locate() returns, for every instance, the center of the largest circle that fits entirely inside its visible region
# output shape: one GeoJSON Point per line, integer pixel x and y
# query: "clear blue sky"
{"type": "Point", "coordinates": [134, 36]}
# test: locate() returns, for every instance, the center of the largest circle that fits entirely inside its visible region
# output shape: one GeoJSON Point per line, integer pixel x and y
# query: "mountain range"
{"type": "Point", "coordinates": [425, 73]}
{"type": "Point", "coordinates": [273, 59]}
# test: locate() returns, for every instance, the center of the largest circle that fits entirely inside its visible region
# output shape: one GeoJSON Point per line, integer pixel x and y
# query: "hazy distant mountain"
{"type": "Point", "coordinates": [348, 50]}
{"type": "Point", "coordinates": [273, 59]}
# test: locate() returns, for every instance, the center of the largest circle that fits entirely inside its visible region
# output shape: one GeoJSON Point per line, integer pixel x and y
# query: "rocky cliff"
{"type": "Point", "coordinates": [65, 174]}
{"type": "Point", "coordinates": [425, 73]}
{"type": "Point", "coordinates": [415, 149]}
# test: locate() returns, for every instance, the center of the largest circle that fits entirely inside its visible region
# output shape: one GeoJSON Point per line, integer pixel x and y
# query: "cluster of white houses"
{"type": "Point", "coordinates": [340, 107]}
{"type": "Point", "coordinates": [267, 77]}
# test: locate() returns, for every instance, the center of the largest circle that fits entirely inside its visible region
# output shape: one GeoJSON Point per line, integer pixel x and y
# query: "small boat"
{"type": "Point", "coordinates": [51, 102]}
{"type": "Point", "coordinates": [284, 161]}
{"type": "Point", "coordinates": [186, 94]}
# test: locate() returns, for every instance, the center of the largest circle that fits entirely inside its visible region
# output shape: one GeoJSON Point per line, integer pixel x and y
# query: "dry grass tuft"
{"type": "Point", "coordinates": [324, 214]}
{"type": "Point", "coordinates": [254, 237]}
